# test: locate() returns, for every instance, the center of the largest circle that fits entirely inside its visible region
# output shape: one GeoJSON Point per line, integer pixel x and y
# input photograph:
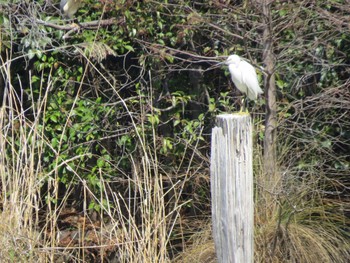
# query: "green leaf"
{"type": "Point", "coordinates": [129, 48]}
{"type": "Point", "coordinates": [280, 83]}
{"type": "Point", "coordinates": [100, 162]}
{"type": "Point", "coordinates": [53, 118]}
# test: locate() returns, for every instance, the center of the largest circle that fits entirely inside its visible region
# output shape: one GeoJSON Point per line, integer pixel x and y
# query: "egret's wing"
{"type": "Point", "coordinates": [237, 78]}
{"type": "Point", "coordinates": [250, 79]}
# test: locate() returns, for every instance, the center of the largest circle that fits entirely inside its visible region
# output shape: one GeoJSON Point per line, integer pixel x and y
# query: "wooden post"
{"type": "Point", "coordinates": [231, 173]}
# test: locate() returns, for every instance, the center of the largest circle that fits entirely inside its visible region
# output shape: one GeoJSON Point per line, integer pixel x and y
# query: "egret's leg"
{"type": "Point", "coordinates": [242, 105]}
{"type": "Point", "coordinates": [246, 104]}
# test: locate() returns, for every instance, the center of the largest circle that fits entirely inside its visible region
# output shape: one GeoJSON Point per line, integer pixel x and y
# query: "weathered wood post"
{"type": "Point", "coordinates": [231, 175]}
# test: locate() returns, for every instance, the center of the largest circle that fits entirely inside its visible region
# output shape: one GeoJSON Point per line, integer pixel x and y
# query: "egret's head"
{"type": "Point", "coordinates": [233, 59]}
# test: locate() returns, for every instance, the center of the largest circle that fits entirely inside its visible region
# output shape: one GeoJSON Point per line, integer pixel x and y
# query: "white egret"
{"type": "Point", "coordinates": [244, 76]}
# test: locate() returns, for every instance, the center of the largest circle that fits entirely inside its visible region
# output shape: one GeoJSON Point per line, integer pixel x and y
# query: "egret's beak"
{"type": "Point", "coordinates": [218, 64]}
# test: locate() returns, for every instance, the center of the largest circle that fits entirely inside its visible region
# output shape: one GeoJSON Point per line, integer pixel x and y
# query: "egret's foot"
{"type": "Point", "coordinates": [75, 25]}
{"type": "Point", "coordinates": [242, 111]}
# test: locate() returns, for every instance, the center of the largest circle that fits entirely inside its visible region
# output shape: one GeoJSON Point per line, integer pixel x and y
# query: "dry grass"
{"type": "Point", "coordinates": [201, 248]}
{"type": "Point", "coordinates": [305, 236]}
{"type": "Point", "coordinates": [133, 226]}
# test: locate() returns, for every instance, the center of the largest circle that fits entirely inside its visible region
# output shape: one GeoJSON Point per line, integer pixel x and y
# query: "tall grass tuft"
{"type": "Point", "coordinates": [21, 141]}
{"type": "Point", "coordinates": [134, 224]}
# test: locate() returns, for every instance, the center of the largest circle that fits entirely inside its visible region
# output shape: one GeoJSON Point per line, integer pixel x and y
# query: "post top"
{"type": "Point", "coordinates": [234, 115]}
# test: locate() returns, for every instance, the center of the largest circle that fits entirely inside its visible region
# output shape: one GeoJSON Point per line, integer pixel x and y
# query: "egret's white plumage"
{"type": "Point", "coordinates": [244, 76]}
{"type": "Point", "coordinates": [69, 7]}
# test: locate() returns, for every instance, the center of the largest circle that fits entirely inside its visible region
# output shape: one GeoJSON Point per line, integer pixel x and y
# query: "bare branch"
{"type": "Point", "coordinates": [85, 25]}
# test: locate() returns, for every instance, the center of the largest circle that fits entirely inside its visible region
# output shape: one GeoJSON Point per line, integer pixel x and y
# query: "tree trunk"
{"type": "Point", "coordinates": [272, 179]}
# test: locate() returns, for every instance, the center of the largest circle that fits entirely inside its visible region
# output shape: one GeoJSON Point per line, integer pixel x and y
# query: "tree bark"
{"type": "Point", "coordinates": [272, 179]}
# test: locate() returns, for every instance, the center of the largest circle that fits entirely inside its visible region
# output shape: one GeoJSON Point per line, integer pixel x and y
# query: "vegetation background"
{"type": "Point", "coordinates": [105, 128]}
